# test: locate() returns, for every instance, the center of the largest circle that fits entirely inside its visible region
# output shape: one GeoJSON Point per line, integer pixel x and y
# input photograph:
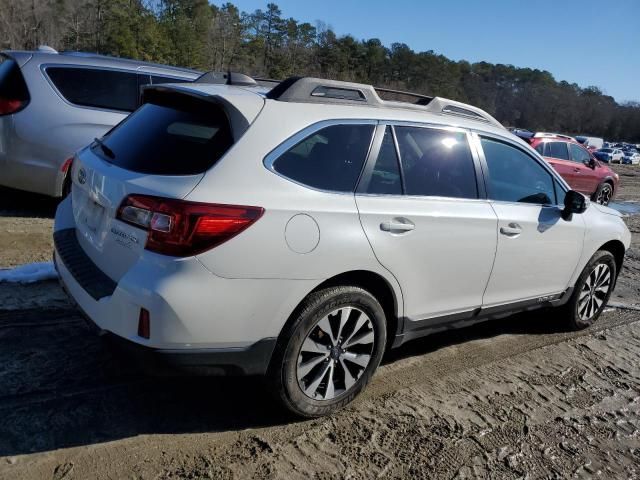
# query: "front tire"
{"type": "Point", "coordinates": [328, 354]}
{"type": "Point", "coordinates": [592, 291]}
{"type": "Point", "coordinates": [603, 194]}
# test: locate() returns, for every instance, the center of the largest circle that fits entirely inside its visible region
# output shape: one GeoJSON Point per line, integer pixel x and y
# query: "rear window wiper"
{"type": "Point", "coordinates": [106, 150]}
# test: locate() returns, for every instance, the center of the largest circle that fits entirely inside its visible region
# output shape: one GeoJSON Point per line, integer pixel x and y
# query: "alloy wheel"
{"type": "Point", "coordinates": [604, 196]}
{"type": "Point", "coordinates": [335, 353]}
{"type": "Point", "coordinates": [594, 291]}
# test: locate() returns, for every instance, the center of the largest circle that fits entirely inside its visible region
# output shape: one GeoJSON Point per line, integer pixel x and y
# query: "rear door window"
{"type": "Point", "coordinates": [178, 135]}
{"type": "Point", "coordinates": [97, 88]}
{"type": "Point", "coordinates": [330, 159]}
{"type": "Point", "coordinates": [557, 150]}
{"type": "Point", "coordinates": [436, 163]}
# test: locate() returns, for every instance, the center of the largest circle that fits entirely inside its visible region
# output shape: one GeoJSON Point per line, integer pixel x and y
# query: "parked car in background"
{"type": "Point", "coordinates": [578, 167]}
{"type": "Point", "coordinates": [631, 157]}
{"type": "Point", "coordinates": [52, 104]}
{"type": "Point", "coordinates": [609, 155]}
{"type": "Point", "coordinates": [591, 143]}
{"type": "Point", "coordinates": [301, 233]}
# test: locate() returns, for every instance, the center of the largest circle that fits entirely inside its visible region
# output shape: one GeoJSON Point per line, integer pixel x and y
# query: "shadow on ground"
{"type": "Point", "coordinates": [16, 203]}
{"type": "Point", "coordinates": [60, 386]}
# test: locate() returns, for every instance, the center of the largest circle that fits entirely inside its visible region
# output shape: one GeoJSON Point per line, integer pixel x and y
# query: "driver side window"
{"type": "Point", "coordinates": [579, 154]}
{"type": "Point", "coordinates": [515, 176]}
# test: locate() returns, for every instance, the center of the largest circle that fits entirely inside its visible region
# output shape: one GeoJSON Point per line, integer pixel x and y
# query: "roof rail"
{"type": "Point", "coordinates": [226, 78]}
{"type": "Point", "coordinates": [317, 90]}
{"type": "Point", "coordinates": [556, 135]}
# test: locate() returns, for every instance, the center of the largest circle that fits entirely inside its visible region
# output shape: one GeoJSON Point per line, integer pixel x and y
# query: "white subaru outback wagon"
{"type": "Point", "coordinates": [300, 232]}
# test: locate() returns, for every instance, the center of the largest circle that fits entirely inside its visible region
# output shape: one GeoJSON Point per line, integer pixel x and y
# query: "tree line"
{"type": "Point", "coordinates": [194, 33]}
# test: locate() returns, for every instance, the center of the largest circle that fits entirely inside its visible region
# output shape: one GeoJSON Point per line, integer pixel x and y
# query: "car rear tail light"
{"type": "Point", "coordinates": [181, 228]}
{"type": "Point", "coordinates": [10, 105]}
{"type": "Point", "coordinates": [144, 324]}
{"type": "Point", "coordinates": [66, 165]}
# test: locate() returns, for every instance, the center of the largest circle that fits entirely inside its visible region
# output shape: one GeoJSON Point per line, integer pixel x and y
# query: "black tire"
{"type": "Point", "coordinates": [603, 194]}
{"type": "Point", "coordinates": [284, 367]}
{"type": "Point", "coordinates": [573, 308]}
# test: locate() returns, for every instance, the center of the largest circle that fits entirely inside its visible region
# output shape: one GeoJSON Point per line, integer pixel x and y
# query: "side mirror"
{"type": "Point", "coordinates": [574, 202]}
{"type": "Point", "coordinates": [591, 163]}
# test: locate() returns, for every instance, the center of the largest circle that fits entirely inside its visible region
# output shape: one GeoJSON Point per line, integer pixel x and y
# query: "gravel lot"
{"type": "Point", "coordinates": [513, 398]}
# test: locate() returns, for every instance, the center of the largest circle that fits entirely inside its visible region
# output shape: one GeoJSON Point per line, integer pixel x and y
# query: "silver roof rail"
{"type": "Point", "coordinates": [317, 90]}
{"type": "Point", "coordinates": [553, 135]}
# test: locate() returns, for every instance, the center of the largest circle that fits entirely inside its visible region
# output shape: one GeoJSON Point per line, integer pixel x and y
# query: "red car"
{"type": "Point", "coordinates": [579, 168]}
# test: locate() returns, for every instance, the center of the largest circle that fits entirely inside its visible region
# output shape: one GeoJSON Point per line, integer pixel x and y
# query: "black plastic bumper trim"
{"type": "Point", "coordinates": [251, 360]}
{"type": "Point", "coordinates": [93, 280]}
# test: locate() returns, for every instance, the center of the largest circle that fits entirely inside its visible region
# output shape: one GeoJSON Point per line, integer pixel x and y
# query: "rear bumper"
{"type": "Point", "coordinates": [251, 360]}
{"type": "Point", "coordinates": [198, 321]}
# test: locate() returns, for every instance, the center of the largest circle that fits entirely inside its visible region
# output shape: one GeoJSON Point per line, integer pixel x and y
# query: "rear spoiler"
{"type": "Point", "coordinates": [526, 135]}
{"type": "Point", "coordinates": [241, 107]}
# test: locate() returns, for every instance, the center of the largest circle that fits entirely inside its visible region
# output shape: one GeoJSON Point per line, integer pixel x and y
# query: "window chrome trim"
{"type": "Point", "coordinates": [306, 132]}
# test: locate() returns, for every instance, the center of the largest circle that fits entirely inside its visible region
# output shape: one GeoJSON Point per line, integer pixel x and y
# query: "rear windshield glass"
{"type": "Point", "coordinates": [12, 86]}
{"type": "Point", "coordinates": [182, 136]}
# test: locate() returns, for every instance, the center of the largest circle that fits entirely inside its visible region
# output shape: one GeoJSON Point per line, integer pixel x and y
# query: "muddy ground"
{"type": "Point", "coordinates": [514, 398]}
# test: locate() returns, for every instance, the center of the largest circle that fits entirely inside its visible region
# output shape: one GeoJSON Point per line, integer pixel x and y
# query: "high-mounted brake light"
{"type": "Point", "coordinates": [181, 228]}
{"type": "Point", "coordinates": [10, 105]}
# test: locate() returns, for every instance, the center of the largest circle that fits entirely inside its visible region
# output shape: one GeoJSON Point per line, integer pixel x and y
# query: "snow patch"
{"type": "Point", "coordinates": [29, 273]}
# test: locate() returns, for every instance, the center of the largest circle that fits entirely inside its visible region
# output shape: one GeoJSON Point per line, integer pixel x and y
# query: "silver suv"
{"type": "Point", "coordinates": [51, 104]}
{"type": "Point", "coordinates": [301, 232]}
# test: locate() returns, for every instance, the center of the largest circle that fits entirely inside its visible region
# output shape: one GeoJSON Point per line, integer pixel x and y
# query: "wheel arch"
{"type": "Point", "coordinates": [389, 296]}
{"type": "Point", "coordinates": [616, 248]}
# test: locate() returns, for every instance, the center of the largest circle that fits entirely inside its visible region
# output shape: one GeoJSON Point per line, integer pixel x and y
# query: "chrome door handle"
{"type": "Point", "coordinates": [512, 230]}
{"type": "Point", "coordinates": [397, 225]}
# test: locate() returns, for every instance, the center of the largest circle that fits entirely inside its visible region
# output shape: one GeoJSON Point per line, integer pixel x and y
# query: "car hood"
{"type": "Point", "coordinates": [607, 210]}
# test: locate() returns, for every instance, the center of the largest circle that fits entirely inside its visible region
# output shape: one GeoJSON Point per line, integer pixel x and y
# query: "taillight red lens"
{"type": "Point", "coordinates": [144, 324]}
{"type": "Point", "coordinates": [65, 166]}
{"type": "Point", "coordinates": [180, 228]}
{"type": "Point", "coordinates": [9, 105]}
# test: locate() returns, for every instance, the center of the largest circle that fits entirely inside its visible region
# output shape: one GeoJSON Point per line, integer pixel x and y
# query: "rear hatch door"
{"type": "Point", "coordinates": [162, 149]}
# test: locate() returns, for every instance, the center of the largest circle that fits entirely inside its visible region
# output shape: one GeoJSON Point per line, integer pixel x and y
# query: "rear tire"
{"type": "Point", "coordinates": [327, 355]}
{"type": "Point", "coordinates": [592, 291]}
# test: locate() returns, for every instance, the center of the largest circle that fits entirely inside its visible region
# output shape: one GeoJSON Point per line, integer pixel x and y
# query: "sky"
{"type": "Point", "coordinates": [588, 42]}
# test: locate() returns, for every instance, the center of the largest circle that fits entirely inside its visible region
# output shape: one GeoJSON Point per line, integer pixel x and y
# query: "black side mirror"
{"type": "Point", "coordinates": [574, 202]}
{"type": "Point", "coordinates": [591, 163]}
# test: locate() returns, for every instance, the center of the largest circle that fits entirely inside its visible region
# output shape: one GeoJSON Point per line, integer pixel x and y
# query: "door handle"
{"type": "Point", "coordinates": [397, 225]}
{"type": "Point", "coordinates": [577, 170]}
{"type": "Point", "coordinates": [511, 230]}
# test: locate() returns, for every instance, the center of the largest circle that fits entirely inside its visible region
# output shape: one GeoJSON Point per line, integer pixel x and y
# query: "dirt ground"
{"type": "Point", "coordinates": [514, 398]}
